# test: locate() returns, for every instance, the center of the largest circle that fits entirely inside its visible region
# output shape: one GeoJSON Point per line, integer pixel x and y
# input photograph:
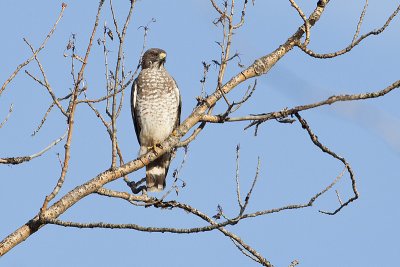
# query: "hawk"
{"type": "Point", "coordinates": [156, 109]}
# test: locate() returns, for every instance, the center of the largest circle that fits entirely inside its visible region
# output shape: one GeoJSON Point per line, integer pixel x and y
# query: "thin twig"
{"type": "Point", "coordinates": [338, 196]}
{"type": "Point", "coordinates": [19, 160]}
{"type": "Point", "coordinates": [360, 21]}
{"type": "Point", "coordinates": [192, 136]}
{"type": "Point", "coordinates": [26, 62]}
{"type": "Point", "coordinates": [10, 110]}
{"type": "Point", "coordinates": [206, 68]}
{"type": "Point", "coordinates": [43, 119]}
{"type": "Point", "coordinates": [46, 83]}
{"type": "Point", "coordinates": [246, 200]}
{"type": "Point", "coordinates": [239, 198]}
{"type": "Point", "coordinates": [72, 41]}
{"type": "Point", "coordinates": [115, 20]}
{"type": "Point", "coordinates": [109, 131]}
{"type": "Point", "coordinates": [249, 92]}
{"type": "Point", "coordinates": [241, 22]}
{"type": "Point", "coordinates": [176, 175]}
{"type": "Point", "coordinates": [315, 140]}
{"type": "Point", "coordinates": [354, 43]}
{"type": "Point", "coordinates": [106, 72]}
{"type": "Point", "coordinates": [295, 206]}
{"type": "Point", "coordinates": [244, 251]}
{"type": "Point", "coordinates": [216, 7]}
{"type": "Point", "coordinates": [260, 118]}
{"type": "Point", "coordinates": [116, 84]}
{"type": "Point", "coordinates": [71, 116]}
{"type": "Point", "coordinates": [306, 22]}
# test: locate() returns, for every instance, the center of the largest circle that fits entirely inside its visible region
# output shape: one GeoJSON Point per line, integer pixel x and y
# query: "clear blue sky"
{"type": "Point", "coordinates": [367, 134]}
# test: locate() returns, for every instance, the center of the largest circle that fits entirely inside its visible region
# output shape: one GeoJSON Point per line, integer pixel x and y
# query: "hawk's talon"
{"type": "Point", "coordinates": [136, 190]}
{"type": "Point", "coordinates": [135, 186]}
{"type": "Point", "coordinates": [154, 148]}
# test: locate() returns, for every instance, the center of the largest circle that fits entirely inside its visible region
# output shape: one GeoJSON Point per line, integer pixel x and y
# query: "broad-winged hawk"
{"type": "Point", "coordinates": [156, 108]}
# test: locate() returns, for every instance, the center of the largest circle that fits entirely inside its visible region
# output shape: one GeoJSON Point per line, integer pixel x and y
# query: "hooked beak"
{"type": "Point", "coordinates": [163, 57]}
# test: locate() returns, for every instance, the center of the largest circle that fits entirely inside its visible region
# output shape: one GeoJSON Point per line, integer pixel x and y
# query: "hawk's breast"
{"type": "Point", "coordinates": [157, 105]}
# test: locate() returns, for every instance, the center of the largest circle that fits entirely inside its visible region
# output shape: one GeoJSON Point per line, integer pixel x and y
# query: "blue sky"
{"type": "Point", "coordinates": [366, 133]}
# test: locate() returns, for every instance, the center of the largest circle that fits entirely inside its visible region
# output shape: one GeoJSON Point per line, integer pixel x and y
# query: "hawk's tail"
{"type": "Point", "coordinates": [156, 173]}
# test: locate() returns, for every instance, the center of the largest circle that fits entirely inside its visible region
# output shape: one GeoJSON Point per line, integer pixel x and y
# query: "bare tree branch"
{"type": "Point", "coordinates": [259, 67]}
{"type": "Point", "coordinates": [10, 110]}
{"type": "Point", "coordinates": [244, 251]}
{"type": "Point", "coordinates": [246, 200]}
{"type": "Point", "coordinates": [314, 139]}
{"type": "Point", "coordinates": [46, 83]}
{"type": "Point", "coordinates": [121, 37]}
{"type": "Point", "coordinates": [26, 62]}
{"type": "Point", "coordinates": [71, 116]}
{"type": "Point", "coordinates": [43, 119]}
{"type": "Point", "coordinates": [295, 206]}
{"type": "Point", "coordinates": [360, 21]}
{"type": "Point", "coordinates": [260, 118]}
{"type": "Point", "coordinates": [216, 7]}
{"type": "Point", "coordinates": [19, 160]}
{"type": "Point", "coordinates": [109, 131]}
{"type": "Point", "coordinates": [239, 198]}
{"type": "Point", "coordinates": [202, 113]}
{"type": "Point", "coordinates": [354, 43]}
{"type": "Point", "coordinates": [241, 22]}
{"type": "Point", "coordinates": [304, 18]}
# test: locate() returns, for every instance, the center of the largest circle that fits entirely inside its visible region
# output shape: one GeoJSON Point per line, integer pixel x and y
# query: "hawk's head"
{"type": "Point", "coordinates": [154, 57]}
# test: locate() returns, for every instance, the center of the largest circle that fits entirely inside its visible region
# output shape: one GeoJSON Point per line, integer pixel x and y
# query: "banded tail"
{"type": "Point", "coordinates": [156, 173]}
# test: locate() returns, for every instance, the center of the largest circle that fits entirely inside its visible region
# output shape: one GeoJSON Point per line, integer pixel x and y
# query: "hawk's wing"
{"type": "Point", "coordinates": [178, 117]}
{"type": "Point", "coordinates": [177, 121]}
{"type": "Point", "coordinates": [134, 111]}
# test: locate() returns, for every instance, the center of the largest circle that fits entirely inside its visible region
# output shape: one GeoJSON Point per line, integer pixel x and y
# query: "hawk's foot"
{"type": "Point", "coordinates": [154, 148]}
{"type": "Point", "coordinates": [136, 187]}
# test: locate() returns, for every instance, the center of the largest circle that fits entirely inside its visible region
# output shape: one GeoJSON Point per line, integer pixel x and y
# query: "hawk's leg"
{"type": "Point", "coordinates": [135, 187]}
